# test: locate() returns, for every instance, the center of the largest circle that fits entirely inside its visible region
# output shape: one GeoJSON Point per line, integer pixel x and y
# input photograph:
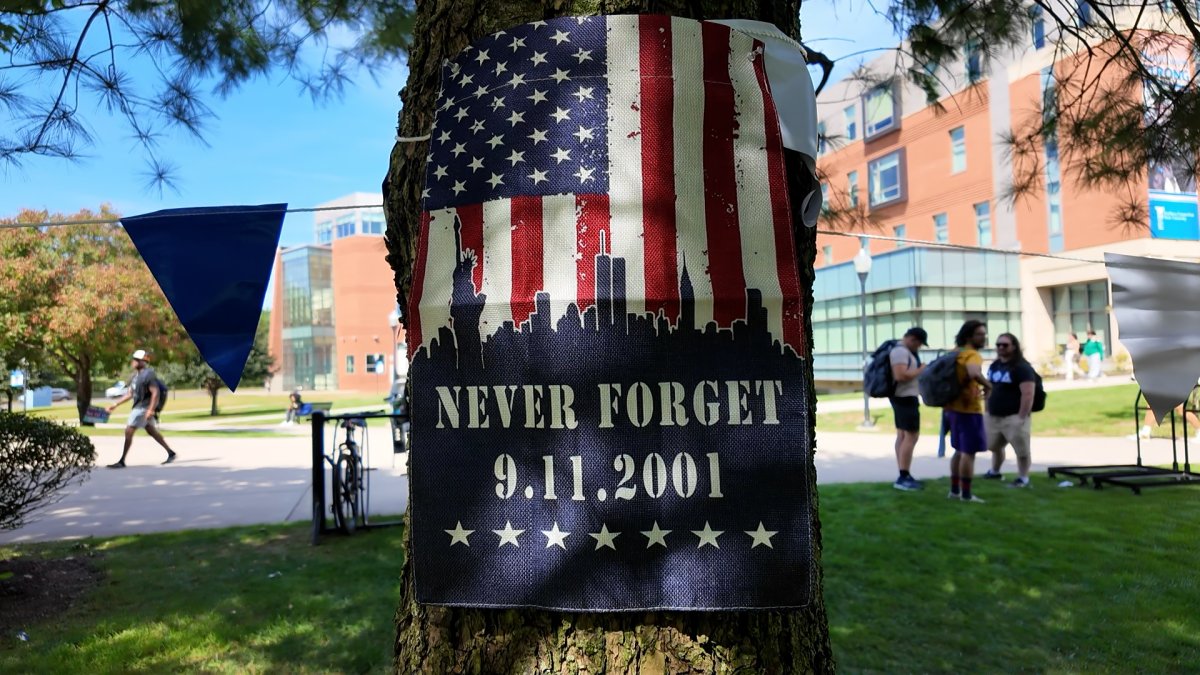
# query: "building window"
{"type": "Point", "coordinates": [974, 61]}
{"type": "Point", "coordinates": [983, 223]}
{"type": "Point", "coordinates": [851, 114]}
{"type": "Point", "coordinates": [376, 363]}
{"type": "Point", "coordinates": [879, 111]}
{"type": "Point", "coordinates": [941, 228]}
{"type": "Point", "coordinates": [852, 179]}
{"type": "Point", "coordinates": [899, 232]}
{"type": "Point", "coordinates": [885, 179]}
{"type": "Point", "coordinates": [1039, 27]}
{"type": "Point", "coordinates": [821, 139]}
{"type": "Point", "coordinates": [345, 226]}
{"type": "Point", "coordinates": [1080, 307]}
{"type": "Point", "coordinates": [350, 363]}
{"type": "Point", "coordinates": [958, 150]}
{"type": "Point", "coordinates": [324, 233]}
{"type": "Point", "coordinates": [824, 197]}
{"type": "Point", "coordinates": [827, 252]}
{"type": "Point", "coordinates": [1083, 14]}
{"type": "Point", "coordinates": [373, 224]}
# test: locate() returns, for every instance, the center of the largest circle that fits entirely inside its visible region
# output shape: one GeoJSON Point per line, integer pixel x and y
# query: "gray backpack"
{"type": "Point", "coordinates": [939, 383]}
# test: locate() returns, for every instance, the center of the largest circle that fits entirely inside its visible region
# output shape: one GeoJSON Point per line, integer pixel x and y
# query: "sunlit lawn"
{"type": "Point", "coordinates": [1099, 411]}
{"type": "Point", "coordinates": [195, 406]}
{"type": "Point", "coordinates": [1045, 580]}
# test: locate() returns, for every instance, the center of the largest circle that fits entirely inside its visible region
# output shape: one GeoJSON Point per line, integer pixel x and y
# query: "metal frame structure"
{"type": "Point", "coordinates": [1139, 475]}
{"type": "Point", "coordinates": [320, 508]}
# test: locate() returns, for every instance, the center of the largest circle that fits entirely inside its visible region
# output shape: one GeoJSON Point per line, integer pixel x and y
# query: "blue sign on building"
{"type": "Point", "coordinates": [1174, 215]}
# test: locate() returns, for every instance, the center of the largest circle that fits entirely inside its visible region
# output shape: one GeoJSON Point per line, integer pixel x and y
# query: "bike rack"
{"type": "Point", "coordinates": [1138, 476]}
{"type": "Point", "coordinates": [320, 524]}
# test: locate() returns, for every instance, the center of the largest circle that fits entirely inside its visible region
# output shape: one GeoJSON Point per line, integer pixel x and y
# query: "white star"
{"type": "Point", "coordinates": [458, 535]}
{"type": "Point", "coordinates": [466, 79]}
{"type": "Point", "coordinates": [516, 157]}
{"type": "Point", "coordinates": [496, 180]}
{"type": "Point", "coordinates": [537, 24]}
{"type": "Point", "coordinates": [496, 140]}
{"type": "Point", "coordinates": [425, 193]}
{"type": "Point", "coordinates": [539, 58]}
{"type": "Point", "coordinates": [580, 19]}
{"type": "Point", "coordinates": [440, 172]}
{"type": "Point", "coordinates": [584, 134]}
{"type": "Point", "coordinates": [448, 103]}
{"type": "Point", "coordinates": [459, 186]}
{"type": "Point", "coordinates": [761, 536]}
{"type": "Point", "coordinates": [537, 96]}
{"type": "Point", "coordinates": [708, 535]}
{"type": "Point", "coordinates": [508, 535]}
{"type": "Point", "coordinates": [444, 137]}
{"type": "Point", "coordinates": [583, 55]}
{"type": "Point", "coordinates": [560, 75]}
{"type": "Point", "coordinates": [497, 103]}
{"type": "Point", "coordinates": [556, 537]}
{"type": "Point", "coordinates": [459, 148]}
{"type": "Point", "coordinates": [584, 174]}
{"type": "Point", "coordinates": [538, 176]}
{"type": "Point", "coordinates": [462, 112]}
{"type": "Point", "coordinates": [561, 155]}
{"type": "Point", "coordinates": [477, 126]}
{"type": "Point", "coordinates": [480, 91]}
{"type": "Point", "coordinates": [538, 136]}
{"type": "Point", "coordinates": [482, 56]}
{"type": "Point", "coordinates": [516, 117]}
{"type": "Point", "coordinates": [517, 43]}
{"type": "Point", "coordinates": [476, 164]}
{"type": "Point", "coordinates": [501, 67]}
{"type": "Point", "coordinates": [517, 79]}
{"type": "Point", "coordinates": [559, 114]}
{"type": "Point", "coordinates": [560, 37]}
{"type": "Point", "coordinates": [656, 536]}
{"type": "Point", "coordinates": [604, 538]}
{"type": "Point", "coordinates": [584, 93]}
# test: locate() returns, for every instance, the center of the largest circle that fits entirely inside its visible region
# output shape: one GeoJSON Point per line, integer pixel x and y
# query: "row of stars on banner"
{"type": "Point", "coordinates": [605, 539]}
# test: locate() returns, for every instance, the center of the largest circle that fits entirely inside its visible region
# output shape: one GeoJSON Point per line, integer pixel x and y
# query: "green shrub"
{"type": "Point", "coordinates": [38, 458]}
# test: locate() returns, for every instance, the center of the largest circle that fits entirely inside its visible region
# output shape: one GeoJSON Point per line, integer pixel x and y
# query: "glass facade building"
{"type": "Point", "coordinates": [308, 330]}
{"type": "Point", "coordinates": [932, 288]}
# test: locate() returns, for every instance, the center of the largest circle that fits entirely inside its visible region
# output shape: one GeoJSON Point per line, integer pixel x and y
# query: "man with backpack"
{"type": "Point", "coordinates": [147, 393]}
{"type": "Point", "coordinates": [1009, 408]}
{"type": "Point", "coordinates": [905, 367]}
{"type": "Point", "coordinates": [965, 412]}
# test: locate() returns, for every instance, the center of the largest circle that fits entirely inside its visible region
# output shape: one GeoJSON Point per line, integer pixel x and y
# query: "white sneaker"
{"type": "Point", "coordinates": [974, 500]}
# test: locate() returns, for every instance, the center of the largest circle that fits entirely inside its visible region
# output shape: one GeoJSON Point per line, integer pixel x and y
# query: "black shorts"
{"type": "Point", "coordinates": [907, 410]}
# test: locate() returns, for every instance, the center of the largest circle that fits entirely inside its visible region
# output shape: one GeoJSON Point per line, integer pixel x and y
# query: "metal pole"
{"type": "Point", "coordinates": [862, 280]}
{"type": "Point", "coordinates": [318, 475]}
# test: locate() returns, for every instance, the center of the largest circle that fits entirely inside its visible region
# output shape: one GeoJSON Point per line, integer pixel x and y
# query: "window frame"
{"type": "Point", "coordinates": [900, 232]}
{"type": "Point", "coordinates": [961, 142]}
{"type": "Point", "coordinates": [852, 188]}
{"type": "Point", "coordinates": [871, 131]}
{"type": "Point", "coordinates": [850, 115]}
{"type": "Point", "coordinates": [980, 219]}
{"type": "Point", "coordinates": [941, 228]}
{"type": "Point", "coordinates": [349, 364]}
{"type": "Point", "coordinates": [901, 187]}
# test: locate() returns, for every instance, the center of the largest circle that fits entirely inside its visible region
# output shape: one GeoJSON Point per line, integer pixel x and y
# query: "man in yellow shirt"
{"type": "Point", "coordinates": [965, 415]}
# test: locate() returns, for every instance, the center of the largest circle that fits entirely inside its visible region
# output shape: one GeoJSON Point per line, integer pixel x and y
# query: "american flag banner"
{"type": "Point", "coordinates": [605, 329]}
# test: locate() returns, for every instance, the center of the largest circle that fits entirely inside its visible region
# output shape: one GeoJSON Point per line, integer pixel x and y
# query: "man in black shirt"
{"type": "Point", "coordinates": [144, 391]}
{"type": "Point", "coordinates": [1009, 408]}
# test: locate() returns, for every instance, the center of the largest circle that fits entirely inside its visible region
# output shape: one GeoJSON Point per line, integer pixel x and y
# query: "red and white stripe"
{"type": "Point", "coordinates": [697, 178]}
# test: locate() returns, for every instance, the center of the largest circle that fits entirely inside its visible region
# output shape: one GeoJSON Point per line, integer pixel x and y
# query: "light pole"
{"type": "Point", "coordinates": [862, 265]}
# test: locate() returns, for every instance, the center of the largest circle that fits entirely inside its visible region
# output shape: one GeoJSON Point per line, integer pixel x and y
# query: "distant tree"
{"type": "Point", "coordinates": [191, 371]}
{"type": "Point", "coordinates": [79, 298]}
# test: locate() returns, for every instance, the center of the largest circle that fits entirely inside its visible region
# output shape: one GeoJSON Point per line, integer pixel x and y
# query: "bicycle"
{"type": "Point", "coordinates": [348, 486]}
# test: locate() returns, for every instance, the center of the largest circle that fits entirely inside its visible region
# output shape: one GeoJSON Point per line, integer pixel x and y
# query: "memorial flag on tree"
{"type": "Point", "coordinates": [606, 327]}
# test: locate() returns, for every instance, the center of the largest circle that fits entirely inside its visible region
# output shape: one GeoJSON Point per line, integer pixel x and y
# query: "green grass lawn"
{"type": "Point", "coordinates": [1047, 580]}
{"type": "Point", "coordinates": [93, 432]}
{"type": "Point", "coordinates": [193, 407]}
{"type": "Point", "coordinates": [1102, 411]}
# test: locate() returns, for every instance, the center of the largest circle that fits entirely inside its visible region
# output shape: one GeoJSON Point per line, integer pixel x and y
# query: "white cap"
{"type": "Point", "coordinates": [140, 355]}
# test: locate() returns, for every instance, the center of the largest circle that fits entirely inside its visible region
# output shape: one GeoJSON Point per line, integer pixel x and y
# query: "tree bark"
{"type": "Point", "coordinates": [432, 639]}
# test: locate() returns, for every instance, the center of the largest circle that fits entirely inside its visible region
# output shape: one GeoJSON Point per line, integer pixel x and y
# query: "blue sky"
{"type": "Point", "coordinates": [268, 142]}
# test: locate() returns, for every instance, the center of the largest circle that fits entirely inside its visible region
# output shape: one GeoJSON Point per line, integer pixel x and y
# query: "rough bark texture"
{"type": "Point", "coordinates": [453, 640]}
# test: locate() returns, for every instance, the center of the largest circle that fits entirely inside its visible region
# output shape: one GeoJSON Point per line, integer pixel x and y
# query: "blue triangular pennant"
{"type": "Point", "coordinates": [213, 264]}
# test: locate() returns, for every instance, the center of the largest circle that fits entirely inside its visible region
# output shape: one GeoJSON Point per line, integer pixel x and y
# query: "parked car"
{"type": "Point", "coordinates": [57, 394]}
{"type": "Point", "coordinates": [117, 390]}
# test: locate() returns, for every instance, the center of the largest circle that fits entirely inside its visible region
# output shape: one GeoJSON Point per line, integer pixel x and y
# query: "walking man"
{"type": "Point", "coordinates": [965, 414]}
{"type": "Point", "coordinates": [1093, 350]}
{"type": "Point", "coordinates": [906, 408]}
{"type": "Point", "coordinates": [145, 392]}
{"type": "Point", "coordinates": [1009, 408]}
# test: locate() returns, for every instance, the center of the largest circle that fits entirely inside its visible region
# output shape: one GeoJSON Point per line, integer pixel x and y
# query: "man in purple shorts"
{"type": "Point", "coordinates": [965, 414]}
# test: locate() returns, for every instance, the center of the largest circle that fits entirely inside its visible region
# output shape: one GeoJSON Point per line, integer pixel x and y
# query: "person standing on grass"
{"type": "Point", "coordinates": [1071, 356]}
{"type": "Point", "coordinates": [145, 392]}
{"type": "Point", "coordinates": [1093, 350]}
{"type": "Point", "coordinates": [906, 408]}
{"type": "Point", "coordinates": [1010, 408]}
{"type": "Point", "coordinates": [965, 414]}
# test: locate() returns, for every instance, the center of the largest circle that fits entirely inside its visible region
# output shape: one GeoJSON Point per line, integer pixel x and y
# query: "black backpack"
{"type": "Point", "coordinates": [162, 396]}
{"type": "Point", "coordinates": [878, 380]}
{"type": "Point", "coordinates": [1039, 393]}
{"type": "Point", "coordinates": [939, 383]}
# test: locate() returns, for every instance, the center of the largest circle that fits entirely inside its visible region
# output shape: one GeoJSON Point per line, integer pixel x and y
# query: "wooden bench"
{"type": "Point", "coordinates": [307, 409]}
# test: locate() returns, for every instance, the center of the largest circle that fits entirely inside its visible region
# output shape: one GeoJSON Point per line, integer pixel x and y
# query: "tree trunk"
{"type": "Point", "coordinates": [212, 393]}
{"type": "Point", "coordinates": [431, 639]}
{"type": "Point", "coordinates": [83, 388]}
